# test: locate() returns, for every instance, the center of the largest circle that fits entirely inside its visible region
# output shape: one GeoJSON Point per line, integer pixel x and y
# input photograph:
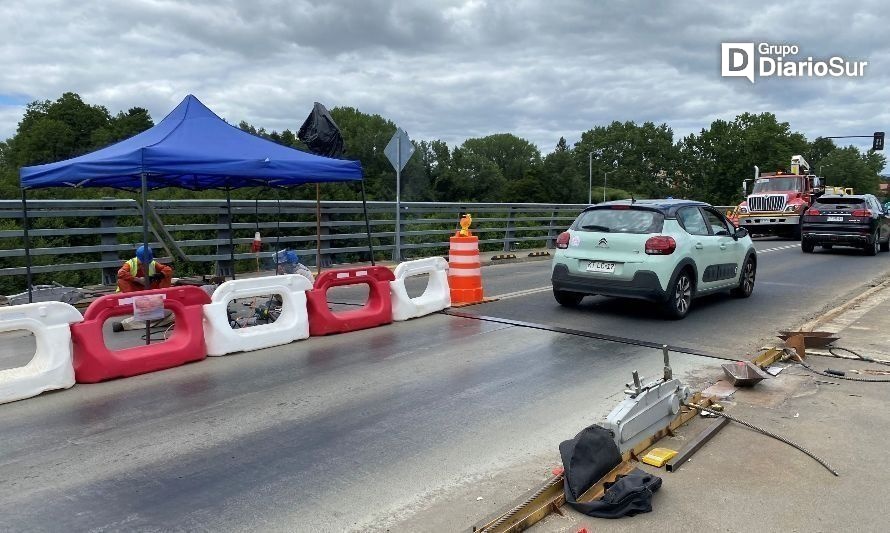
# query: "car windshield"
{"type": "Point", "coordinates": [611, 220]}
{"type": "Point", "coordinates": [776, 184]}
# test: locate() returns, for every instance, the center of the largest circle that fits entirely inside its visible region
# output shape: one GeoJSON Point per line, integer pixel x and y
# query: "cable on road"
{"type": "Point", "coordinates": [791, 355]}
{"type": "Point", "coordinates": [768, 433]}
{"type": "Point", "coordinates": [857, 354]}
{"type": "Point", "coordinates": [582, 333]}
{"type": "Point", "coordinates": [835, 376]}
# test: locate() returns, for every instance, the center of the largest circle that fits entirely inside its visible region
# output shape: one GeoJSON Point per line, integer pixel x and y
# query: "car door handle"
{"type": "Point", "coordinates": [723, 247]}
{"type": "Point", "coordinates": [698, 246]}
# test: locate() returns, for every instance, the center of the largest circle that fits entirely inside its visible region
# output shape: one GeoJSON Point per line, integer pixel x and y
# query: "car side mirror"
{"type": "Point", "coordinates": [740, 233]}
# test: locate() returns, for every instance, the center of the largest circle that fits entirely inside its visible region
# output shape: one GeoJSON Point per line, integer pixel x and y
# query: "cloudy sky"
{"type": "Point", "coordinates": [446, 69]}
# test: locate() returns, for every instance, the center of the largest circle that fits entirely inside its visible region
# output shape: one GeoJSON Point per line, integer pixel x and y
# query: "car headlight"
{"type": "Point", "coordinates": [743, 209]}
{"type": "Point", "coordinates": [792, 208]}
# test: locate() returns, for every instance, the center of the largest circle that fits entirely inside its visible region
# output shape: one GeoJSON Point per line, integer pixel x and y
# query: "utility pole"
{"type": "Point", "coordinates": [615, 163]}
{"type": "Point", "coordinates": [590, 178]}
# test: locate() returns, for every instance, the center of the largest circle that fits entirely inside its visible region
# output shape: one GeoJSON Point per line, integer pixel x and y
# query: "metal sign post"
{"type": "Point", "coordinates": [399, 150]}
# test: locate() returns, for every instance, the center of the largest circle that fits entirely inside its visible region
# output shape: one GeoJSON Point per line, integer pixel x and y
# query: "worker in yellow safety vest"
{"type": "Point", "coordinates": [131, 275]}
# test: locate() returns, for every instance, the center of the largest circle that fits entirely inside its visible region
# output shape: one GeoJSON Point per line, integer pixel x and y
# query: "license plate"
{"type": "Point", "coordinates": [835, 219]}
{"type": "Point", "coordinates": [599, 266]}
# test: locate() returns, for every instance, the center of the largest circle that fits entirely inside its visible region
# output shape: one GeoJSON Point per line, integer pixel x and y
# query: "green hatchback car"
{"type": "Point", "coordinates": [665, 251]}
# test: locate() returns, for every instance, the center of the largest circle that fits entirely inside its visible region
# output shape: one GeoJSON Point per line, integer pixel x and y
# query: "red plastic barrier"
{"type": "Point", "coordinates": [376, 312]}
{"type": "Point", "coordinates": [94, 362]}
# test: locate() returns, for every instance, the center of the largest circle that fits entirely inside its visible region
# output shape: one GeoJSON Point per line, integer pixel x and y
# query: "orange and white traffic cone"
{"type": "Point", "coordinates": [465, 270]}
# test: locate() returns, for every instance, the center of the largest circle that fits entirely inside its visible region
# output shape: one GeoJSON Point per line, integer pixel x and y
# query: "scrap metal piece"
{"type": "Point", "coordinates": [693, 446]}
{"type": "Point", "coordinates": [813, 339]}
{"type": "Point", "coordinates": [798, 343]}
{"type": "Point", "coordinates": [744, 373]}
{"type": "Point", "coordinates": [768, 357]}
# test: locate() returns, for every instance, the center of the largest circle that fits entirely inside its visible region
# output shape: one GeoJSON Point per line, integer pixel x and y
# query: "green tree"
{"type": "Point", "coordinates": [496, 168]}
{"type": "Point", "coordinates": [513, 155]}
{"type": "Point", "coordinates": [818, 149]}
{"type": "Point", "coordinates": [639, 158]}
{"type": "Point", "coordinates": [561, 181]}
{"type": "Point", "coordinates": [56, 130]}
{"type": "Point", "coordinates": [714, 163]}
{"type": "Point", "coordinates": [848, 167]}
{"type": "Point", "coordinates": [50, 131]}
{"type": "Point", "coordinates": [122, 126]}
{"type": "Point", "coordinates": [470, 177]}
{"type": "Point", "coordinates": [365, 137]}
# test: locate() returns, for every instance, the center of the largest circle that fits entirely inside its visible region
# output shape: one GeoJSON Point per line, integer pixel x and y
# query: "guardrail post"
{"type": "Point", "coordinates": [109, 274]}
{"type": "Point", "coordinates": [325, 229]}
{"type": "Point", "coordinates": [223, 266]}
{"type": "Point", "coordinates": [509, 232]}
{"type": "Point", "coordinates": [552, 231]}
{"type": "Point", "coordinates": [397, 243]}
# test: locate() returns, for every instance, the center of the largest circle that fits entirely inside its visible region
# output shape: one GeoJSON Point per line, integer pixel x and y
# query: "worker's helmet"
{"type": "Point", "coordinates": [144, 255]}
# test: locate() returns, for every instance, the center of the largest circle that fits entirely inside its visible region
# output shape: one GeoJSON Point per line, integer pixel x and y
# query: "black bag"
{"type": "Point", "coordinates": [320, 133]}
{"type": "Point", "coordinates": [586, 459]}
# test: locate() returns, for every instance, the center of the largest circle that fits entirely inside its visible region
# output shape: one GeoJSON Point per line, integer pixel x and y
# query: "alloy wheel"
{"type": "Point", "coordinates": [683, 294]}
{"type": "Point", "coordinates": [748, 280]}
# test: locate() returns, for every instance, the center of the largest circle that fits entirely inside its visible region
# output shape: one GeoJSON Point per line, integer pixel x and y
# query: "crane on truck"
{"type": "Point", "coordinates": [778, 200]}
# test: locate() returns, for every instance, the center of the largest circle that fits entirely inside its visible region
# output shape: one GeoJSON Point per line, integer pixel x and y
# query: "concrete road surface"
{"type": "Point", "coordinates": [361, 430]}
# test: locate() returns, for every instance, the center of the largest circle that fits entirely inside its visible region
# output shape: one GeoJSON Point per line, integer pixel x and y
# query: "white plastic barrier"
{"type": "Point", "coordinates": [51, 367]}
{"type": "Point", "coordinates": [291, 325]}
{"type": "Point", "coordinates": [436, 297]}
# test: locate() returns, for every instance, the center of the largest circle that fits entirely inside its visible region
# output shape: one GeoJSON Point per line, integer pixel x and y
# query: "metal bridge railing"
{"type": "Point", "coordinates": [80, 235]}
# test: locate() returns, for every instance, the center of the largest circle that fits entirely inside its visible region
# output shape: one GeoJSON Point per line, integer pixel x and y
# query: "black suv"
{"type": "Point", "coordinates": [847, 220]}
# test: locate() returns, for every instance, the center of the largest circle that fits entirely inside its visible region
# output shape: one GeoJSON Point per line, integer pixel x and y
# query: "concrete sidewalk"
{"type": "Point", "coordinates": [744, 481]}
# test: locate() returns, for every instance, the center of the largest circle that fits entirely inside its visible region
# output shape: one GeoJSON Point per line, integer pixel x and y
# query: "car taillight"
{"type": "Point", "coordinates": [660, 245]}
{"type": "Point", "coordinates": [562, 242]}
{"type": "Point", "coordinates": [620, 207]}
{"type": "Point", "coordinates": [861, 213]}
{"type": "Point", "coordinates": [813, 212]}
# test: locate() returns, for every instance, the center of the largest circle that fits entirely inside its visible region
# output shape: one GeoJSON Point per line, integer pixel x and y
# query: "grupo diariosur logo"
{"type": "Point", "coordinates": [782, 60]}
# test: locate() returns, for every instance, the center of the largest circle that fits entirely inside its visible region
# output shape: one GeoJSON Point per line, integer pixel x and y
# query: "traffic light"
{"type": "Point", "coordinates": [878, 142]}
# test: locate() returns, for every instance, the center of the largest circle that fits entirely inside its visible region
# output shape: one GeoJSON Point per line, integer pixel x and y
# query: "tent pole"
{"type": "Point", "coordinates": [145, 245]}
{"type": "Point", "coordinates": [231, 235]}
{"type": "Point", "coordinates": [367, 223]}
{"type": "Point", "coordinates": [27, 238]}
{"type": "Point", "coordinates": [317, 229]}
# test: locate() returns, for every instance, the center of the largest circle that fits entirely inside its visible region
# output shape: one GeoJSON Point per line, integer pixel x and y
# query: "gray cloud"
{"type": "Point", "coordinates": [450, 69]}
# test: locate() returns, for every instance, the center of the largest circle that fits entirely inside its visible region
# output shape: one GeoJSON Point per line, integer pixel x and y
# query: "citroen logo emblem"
{"type": "Point", "coordinates": [603, 243]}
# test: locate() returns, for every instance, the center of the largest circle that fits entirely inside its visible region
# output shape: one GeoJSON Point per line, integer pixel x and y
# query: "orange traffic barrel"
{"type": "Point", "coordinates": [465, 270]}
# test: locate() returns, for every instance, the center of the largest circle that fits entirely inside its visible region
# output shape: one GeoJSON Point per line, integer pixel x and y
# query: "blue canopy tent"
{"type": "Point", "coordinates": [195, 149]}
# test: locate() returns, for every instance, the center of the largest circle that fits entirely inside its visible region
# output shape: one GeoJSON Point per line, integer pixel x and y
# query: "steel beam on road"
{"type": "Point", "coordinates": [693, 446]}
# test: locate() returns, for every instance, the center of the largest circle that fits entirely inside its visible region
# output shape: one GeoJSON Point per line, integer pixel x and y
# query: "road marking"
{"type": "Point", "coordinates": [517, 294]}
{"type": "Point", "coordinates": [777, 248]}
